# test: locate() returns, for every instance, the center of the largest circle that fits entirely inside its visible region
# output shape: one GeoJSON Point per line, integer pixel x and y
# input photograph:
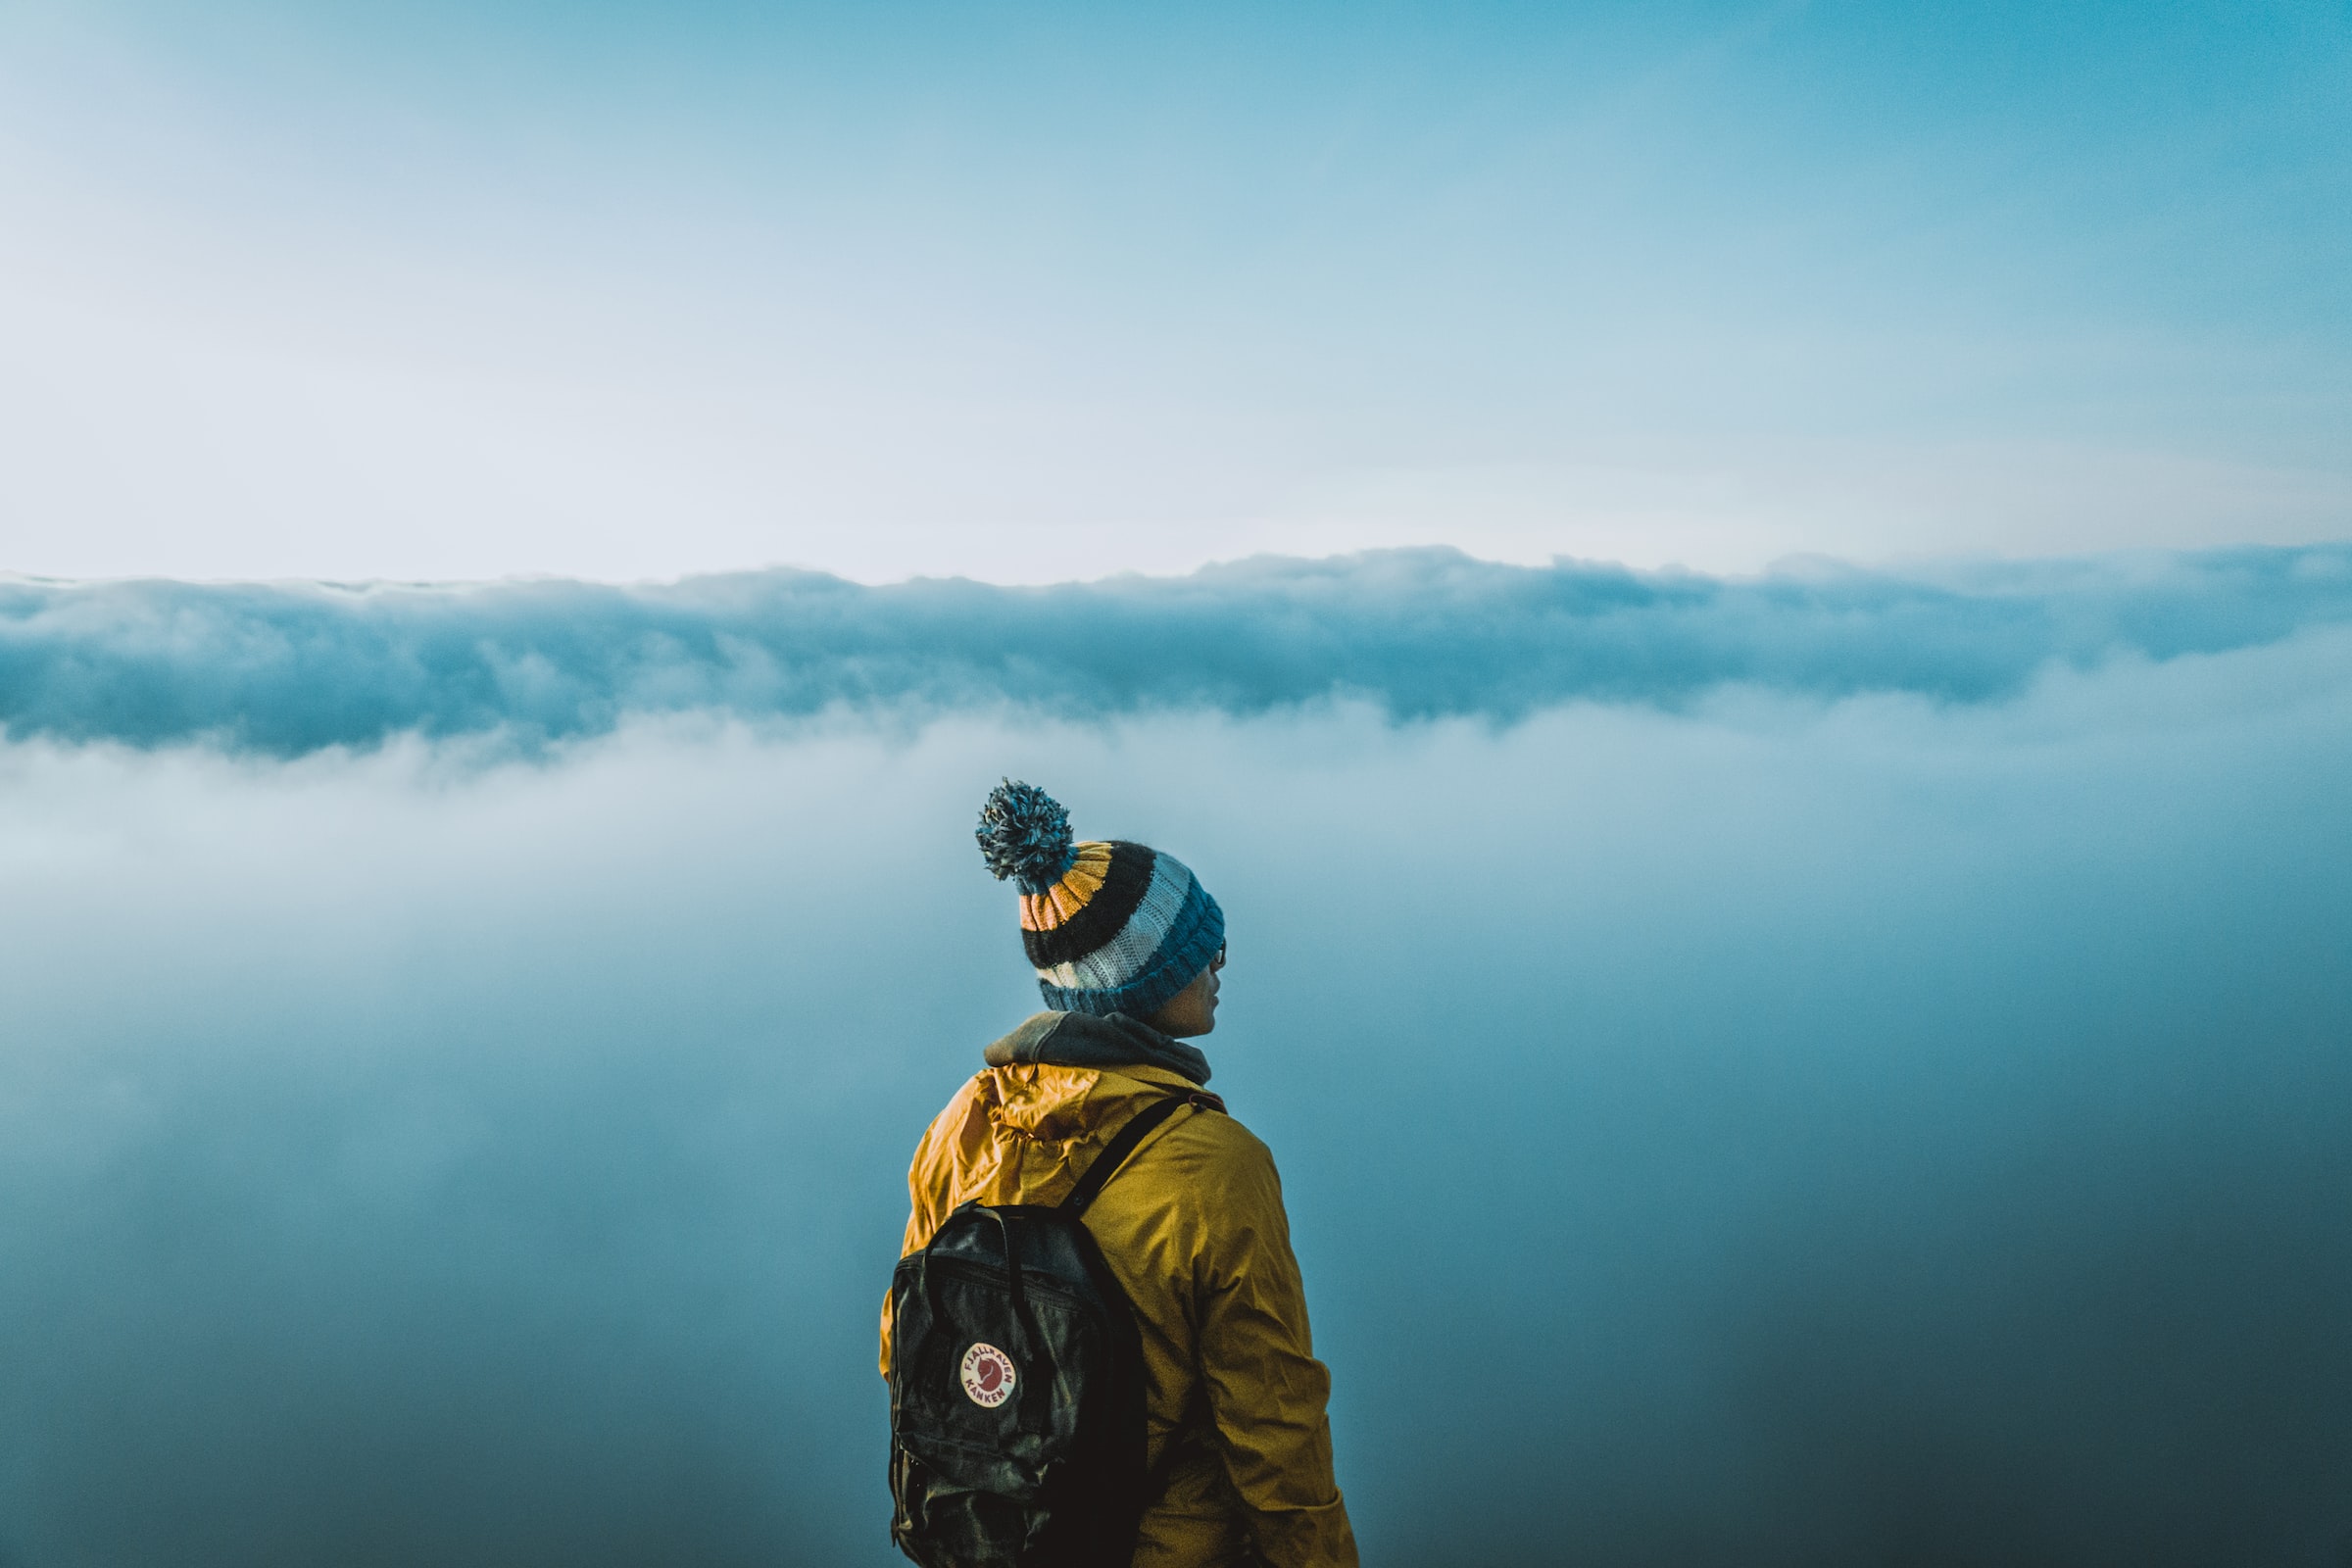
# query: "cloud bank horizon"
{"type": "Point", "coordinates": [285, 669]}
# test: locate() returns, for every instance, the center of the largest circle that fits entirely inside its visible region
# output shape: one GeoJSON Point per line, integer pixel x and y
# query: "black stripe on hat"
{"type": "Point", "coordinates": [1123, 888]}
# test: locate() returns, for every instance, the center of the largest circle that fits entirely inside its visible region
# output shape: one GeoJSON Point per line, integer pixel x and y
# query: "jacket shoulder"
{"type": "Point", "coordinates": [960, 1108]}
{"type": "Point", "coordinates": [961, 1123]}
{"type": "Point", "coordinates": [1217, 1134]}
{"type": "Point", "coordinates": [1222, 1136]}
{"type": "Point", "coordinates": [1207, 1164]}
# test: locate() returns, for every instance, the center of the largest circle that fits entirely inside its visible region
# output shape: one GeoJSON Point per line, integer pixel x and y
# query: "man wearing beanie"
{"type": "Point", "coordinates": [1127, 945]}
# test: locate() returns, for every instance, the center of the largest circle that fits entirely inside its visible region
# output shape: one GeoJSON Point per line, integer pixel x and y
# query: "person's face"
{"type": "Point", "coordinates": [1193, 1009]}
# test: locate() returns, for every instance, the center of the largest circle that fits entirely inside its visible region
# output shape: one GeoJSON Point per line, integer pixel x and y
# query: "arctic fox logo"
{"type": "Point", "coordinates": [987, 1376]}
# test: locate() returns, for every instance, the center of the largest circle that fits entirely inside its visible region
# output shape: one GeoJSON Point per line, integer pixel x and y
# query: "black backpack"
{"type": "Point", "coordinates": [1016, 1385]}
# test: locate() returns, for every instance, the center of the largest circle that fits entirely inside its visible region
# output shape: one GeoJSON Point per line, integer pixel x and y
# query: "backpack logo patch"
{"type": "Point", "coordinates": [987, 1376]}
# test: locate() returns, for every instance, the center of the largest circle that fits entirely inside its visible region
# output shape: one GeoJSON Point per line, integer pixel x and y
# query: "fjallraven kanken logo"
{"type": "Point", "coordinates": [1016, 1385]}
{"type": "Point", "coordinates": [987, 1376]}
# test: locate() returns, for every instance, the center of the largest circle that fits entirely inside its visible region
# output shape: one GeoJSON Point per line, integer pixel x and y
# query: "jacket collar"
{"type": "Point", "coordinates": [1083, 1040]}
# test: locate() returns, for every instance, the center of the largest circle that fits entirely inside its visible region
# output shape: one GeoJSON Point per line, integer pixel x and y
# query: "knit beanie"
{"type": "Point", "coordinates": [1111, 927]}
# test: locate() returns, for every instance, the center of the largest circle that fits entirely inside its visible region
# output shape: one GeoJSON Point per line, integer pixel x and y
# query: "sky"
{"type": "Point", "coordinates": [1036, 293]}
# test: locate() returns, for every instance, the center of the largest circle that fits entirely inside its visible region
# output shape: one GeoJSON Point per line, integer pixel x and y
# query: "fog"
{"type": "Point", "coordinates": [1800, 1123]}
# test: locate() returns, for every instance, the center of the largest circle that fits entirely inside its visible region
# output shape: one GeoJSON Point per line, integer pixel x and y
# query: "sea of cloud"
{"type": "Point", "coordinates": [1748, 1119]}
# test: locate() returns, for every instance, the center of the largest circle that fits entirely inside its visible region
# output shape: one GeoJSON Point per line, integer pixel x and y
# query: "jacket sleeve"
{"type": "Point", "coordinates": [922, 1218]}
{"type": "Point", "coordinates": [1266, 1390]}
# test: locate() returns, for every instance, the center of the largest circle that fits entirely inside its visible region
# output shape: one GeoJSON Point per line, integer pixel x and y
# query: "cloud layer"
{"type": "Point", "coordinates": [1778, 1136]}
{"type": "Point", "coordinates": [287, 669]}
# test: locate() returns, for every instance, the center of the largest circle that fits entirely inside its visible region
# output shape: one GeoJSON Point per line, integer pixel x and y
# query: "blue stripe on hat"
{"type": "Point", "coordinates": [1193, 940]}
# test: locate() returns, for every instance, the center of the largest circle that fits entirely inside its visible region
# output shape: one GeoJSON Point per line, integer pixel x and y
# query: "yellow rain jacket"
{"type": "Point", "coordinates": [1192, 1225]}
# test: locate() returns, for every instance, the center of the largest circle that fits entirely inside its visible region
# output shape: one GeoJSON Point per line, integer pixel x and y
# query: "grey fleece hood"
{"type": "Point", "coordinates": [1085, 1040]}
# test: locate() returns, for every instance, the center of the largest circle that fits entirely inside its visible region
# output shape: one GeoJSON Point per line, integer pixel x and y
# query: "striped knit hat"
{"type": "Point", "coordinates": [1111, 927]}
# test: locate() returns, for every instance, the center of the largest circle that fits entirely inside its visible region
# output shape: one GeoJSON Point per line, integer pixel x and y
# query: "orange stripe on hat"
{"type": "Point", "coordinates": [1043, 912]}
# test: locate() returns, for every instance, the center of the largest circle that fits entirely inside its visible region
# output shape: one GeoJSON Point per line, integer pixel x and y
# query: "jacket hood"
{"type": "Point", "coordinates": [1085, 1040]}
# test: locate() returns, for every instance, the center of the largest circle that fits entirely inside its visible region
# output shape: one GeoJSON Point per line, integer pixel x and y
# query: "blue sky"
{"type": "Point", "coordinates": [1039, 292]}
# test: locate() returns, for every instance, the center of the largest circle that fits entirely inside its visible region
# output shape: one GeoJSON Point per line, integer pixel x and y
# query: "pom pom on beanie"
{"type": "Point", "coordinates": [1025, 835]}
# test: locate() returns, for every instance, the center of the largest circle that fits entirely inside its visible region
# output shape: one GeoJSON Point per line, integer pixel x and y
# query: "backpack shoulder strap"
{"type": "Point", "coordinates": [1122, 1144]}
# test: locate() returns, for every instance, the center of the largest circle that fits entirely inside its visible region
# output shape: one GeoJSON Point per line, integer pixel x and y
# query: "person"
{"type": "Point", "coordinates": [1128, 947]}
